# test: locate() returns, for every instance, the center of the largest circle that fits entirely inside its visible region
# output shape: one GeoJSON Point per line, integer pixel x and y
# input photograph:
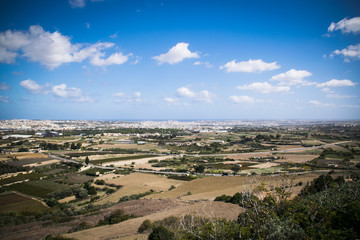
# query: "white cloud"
{"type": "Point", "coordinates": [4, 86]}
{"type": "Point", "coordinates": [351, 25]}
{"type": "Point", "coordinates": [122, 97]}
{"type": "Point", "coordinates": [202, 96]}
{"type": "Point", "coordinates": [337, 83]}
{"type": "Point", "coordinates": [250, 66]}
{"type": "Point", "coordinates": [350, 106]}
{"type": "Point", "coordinates": [352, 51]}
{"type": "Point", "coordinates": [264, 87]}
{"type": "Point", "coordinates": [176, 54]}
{"type": "Point", "coordinates": [4, 99]}
{"type": "Point", "coordinates": [65, 92]}
{"type": "Point", "coordinates": [293, 77]}
{"type": "Point", "coordinates": [206, 64]}
{"type": "Point", "coordinates": [34, 88]}
{"type": "Point", "coordinates": [338, 96]}
{"type": "Point", "coordinates": [243, 99]}
{"type": "Point", "coordinates": [327, 90]}
{"type": "Point", "coordinates": [320, 104]}
{"type": "Point", "coordinates": [185, 92]}
{"type": "Point", "coordinates": [77, 3]}
{"type": "Point", "coordinates": [84, 99]}
{"type": "Point", "coordinates": [171, 101]}
{"type": "Point", "coordinates": [116, 58]}
{"type": "Point", "coordinates": [7, 56]}
{"type": "Point", "coordinates": [53, 49]}
{"type": "Point", "coordinates": [60, 91]}
{"type": "Point", "coordinates": [119, 94]}
{"type": "Point", "coordinates": [10, 42]}
{"type": "Point", "coordinates": [87, 25]}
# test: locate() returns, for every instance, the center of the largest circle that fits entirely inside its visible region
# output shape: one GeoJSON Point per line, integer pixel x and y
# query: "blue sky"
{"type": "Point", "coordinates": [118, 59]}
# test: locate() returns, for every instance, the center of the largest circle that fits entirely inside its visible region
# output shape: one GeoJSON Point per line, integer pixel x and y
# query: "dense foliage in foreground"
{"type": "Point", "coordinates": [326, 209]}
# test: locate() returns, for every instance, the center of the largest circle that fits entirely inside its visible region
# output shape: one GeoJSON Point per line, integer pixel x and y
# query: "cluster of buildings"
{"type": "Point", "coordinates": [197, 126]}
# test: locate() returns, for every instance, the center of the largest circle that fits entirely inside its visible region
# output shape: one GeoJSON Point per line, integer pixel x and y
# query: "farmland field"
{"type": "Point", "coordinates": [38, 188]}
{"type": "Point", "coordinates": [14, 202]}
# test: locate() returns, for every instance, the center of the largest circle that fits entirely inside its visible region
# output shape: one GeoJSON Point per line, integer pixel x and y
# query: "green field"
{"type": "Point", "coordinates": [14, 202]}
{"type": "Point", "coordinates": [38, 188]}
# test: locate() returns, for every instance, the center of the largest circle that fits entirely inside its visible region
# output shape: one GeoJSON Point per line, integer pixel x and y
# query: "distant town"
{"type": "Point", "coordinates": [198, 125]}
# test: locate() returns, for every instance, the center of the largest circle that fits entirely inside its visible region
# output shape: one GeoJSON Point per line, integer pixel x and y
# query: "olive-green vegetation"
{"type": "Point", "coordinates": [135, 196]}
{"type": "Point", "coordinates": [21, 177]}
{"type": "Point", "coordinates": [326, 209]}
{"type": "Point", "coordinates": [37, 188]}
{"type": "Point", "coordinates": [6, 168]}
{"type": "Point", "coordinates": [115, 217]}
{"type": "Point", "coordinates": [16, 203]}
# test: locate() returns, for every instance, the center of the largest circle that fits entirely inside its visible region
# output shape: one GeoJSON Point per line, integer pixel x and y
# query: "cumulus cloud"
{"type": "Point", "coordinates": [171, 101]}
{"type": "Point", "coordinates": [137, 94]}
{"type": "Point", "coordinates": [206, 64]}
{"type": "Point", "coordinates": [60, 91]}
{"type": "Point", "coordinates": [34, 88]}
{"type": "Point", "coordinates": [336, 83]}
{"type": "Point", "coordinates": [4, 99]}
{"type": "Point", "coordinates": [293, 77]}
{"type": "Point", "coordinates": [250, 66]}
{"type": "Point", "coordinates": [4, 86]}
{"type": "Point", "coordinates": [65, 92]}
{"type": "Point", "coordinates": [243, 99]}
{"type": "Point", "coordinates": [121, 97]}
{"type": "Point", "coordinates": [116, 58]}
{"type": "Point", "coordinates": [176, 54]}
{"type": "Point", "coordinates": [327, 90]}
{"type": "Point", "coordinates": [320, 104]}
{"type": "Point", "coordinates": [351, 25]}
{"type": "Point", "coordinates": [352, 51]}
{"type": "Point", "coordinates": [53, 49]}
{"type": "Point", "coordinates": [202, 96]}
{"type": "Point", "coordinates": [264, 87]}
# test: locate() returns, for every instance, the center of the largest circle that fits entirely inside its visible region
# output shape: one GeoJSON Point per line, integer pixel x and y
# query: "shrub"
{"type": "Point", "coordinates": [161, 233]}
{"type": "Point", "coordinates": [115, 217]}
{"type": "Point", "coordinates": [145, 226]}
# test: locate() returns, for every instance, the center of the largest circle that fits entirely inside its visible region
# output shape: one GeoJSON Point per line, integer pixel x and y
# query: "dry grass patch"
{"type": "Point", "coordinates": [129, 228]}
{"type": "Point", "coordinates": [211, 187]}
{"type": "Point", "coordinates": [137, 183]}
{"type": "Point", "coordinates": [38, 164]}
{"type": "Point", "coordinates": [22, 155]}
{"type": "Point", "coordinates": [286, 147]}
{"type": "Point", "coordinates": [296, 158]}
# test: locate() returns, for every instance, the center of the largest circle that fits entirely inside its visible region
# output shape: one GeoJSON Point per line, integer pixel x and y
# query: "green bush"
{"type": "Point", "coordinates": [145, 226]}
{"type": "Point", "coordinates": [161, 233]}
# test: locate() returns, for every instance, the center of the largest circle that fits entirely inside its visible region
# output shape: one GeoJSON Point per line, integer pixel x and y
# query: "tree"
{"type": "Point", "coordinates": [200, 168]}
{"type": "Point", "coordinates": [87, 160]}
{"type": "Point", "coordinates": [161, 233]}
{"type": "Point", "coordinates": [145, 226]}
{"type": "Point", "coordinates": [235, 168]}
